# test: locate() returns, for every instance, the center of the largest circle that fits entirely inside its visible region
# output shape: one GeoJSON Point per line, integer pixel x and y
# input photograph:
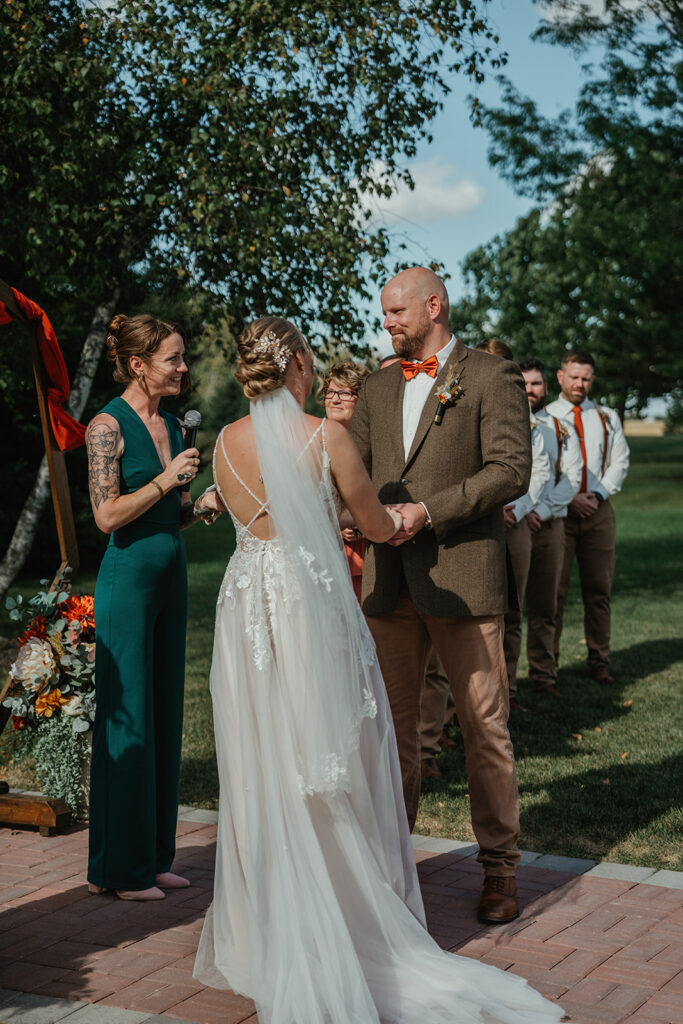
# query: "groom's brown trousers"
{"type": "Point", "coordinates": [471, 650]}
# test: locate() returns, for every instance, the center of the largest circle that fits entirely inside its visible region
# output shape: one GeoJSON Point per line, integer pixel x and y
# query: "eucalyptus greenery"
{"type": "Point", "coordinates": [62, 760]}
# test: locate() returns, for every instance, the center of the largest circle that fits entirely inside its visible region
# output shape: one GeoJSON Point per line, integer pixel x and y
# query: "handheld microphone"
{"type": "Point", "coordinates": [192, 423]}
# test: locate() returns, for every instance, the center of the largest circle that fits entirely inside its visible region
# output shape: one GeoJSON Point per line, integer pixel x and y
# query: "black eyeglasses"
{"type": "Point", "coordinates": [343, 396]}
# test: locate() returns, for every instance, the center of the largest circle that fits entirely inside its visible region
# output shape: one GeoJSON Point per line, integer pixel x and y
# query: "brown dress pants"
{"type": "Point", "coordinates": [437, 709]}
{"type": "Point", "coordinates": [592, 541]}
{"type": "Point", "coordinates": [471, 651]}
{"type": "Point", "coordinates": [537, 560]}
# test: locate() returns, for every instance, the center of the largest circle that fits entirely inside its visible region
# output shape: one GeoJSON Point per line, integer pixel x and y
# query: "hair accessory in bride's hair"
{"type": "Point", "coordinates": [271, 343]}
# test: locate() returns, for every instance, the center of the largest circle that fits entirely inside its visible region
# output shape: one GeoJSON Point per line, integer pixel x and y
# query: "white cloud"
{"type": "Point", "coordinates": [437, 196]}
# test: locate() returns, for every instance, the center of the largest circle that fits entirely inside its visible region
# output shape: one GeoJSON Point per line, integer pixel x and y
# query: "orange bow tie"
{"type": "Point", "coordinates": [430, 367]}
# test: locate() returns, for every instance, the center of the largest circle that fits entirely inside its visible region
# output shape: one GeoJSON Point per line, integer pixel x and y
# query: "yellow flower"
{"type": "Point", "coordinates": [47, 703]}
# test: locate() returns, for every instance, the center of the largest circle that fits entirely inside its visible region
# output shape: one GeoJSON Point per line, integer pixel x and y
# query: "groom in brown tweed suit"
{"type": "Point", "coordinates": [442, 579]}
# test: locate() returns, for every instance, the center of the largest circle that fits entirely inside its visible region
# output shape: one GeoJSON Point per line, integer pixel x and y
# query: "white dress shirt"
{"type": "Point", "coordinates": [416, 393]}
{"type": "Point", "coordinates": [617, 458]}
{"type": "Point", "coordinates": [540, 476]}
{"type": "Point", "coordinates": [557, 495]}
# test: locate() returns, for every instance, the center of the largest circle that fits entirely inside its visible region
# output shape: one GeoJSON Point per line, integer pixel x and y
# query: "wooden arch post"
{"type": "Point", "coordinates": [48, 813]}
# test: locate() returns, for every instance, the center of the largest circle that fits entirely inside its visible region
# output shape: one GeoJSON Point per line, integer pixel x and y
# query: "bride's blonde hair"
{"type": "Point", "coordinates": [264, 350]}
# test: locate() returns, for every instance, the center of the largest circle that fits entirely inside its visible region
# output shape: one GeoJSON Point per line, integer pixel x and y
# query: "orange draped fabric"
{"type": "Point", "coordinates": [69, 433]}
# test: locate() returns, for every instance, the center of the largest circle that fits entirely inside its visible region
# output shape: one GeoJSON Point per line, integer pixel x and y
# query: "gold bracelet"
{"type": "Point", "coordinates": [158, 487]}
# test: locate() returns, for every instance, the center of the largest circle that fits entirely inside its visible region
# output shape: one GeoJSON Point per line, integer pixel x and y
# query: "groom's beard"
{"type": "Point", "coordinates": [538, 404]}
{"type": "Point", "coordinates": [409, 346]}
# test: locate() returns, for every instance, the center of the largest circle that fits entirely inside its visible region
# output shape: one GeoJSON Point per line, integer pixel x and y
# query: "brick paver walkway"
{"type": "Point", "coordinates": [609, 949]}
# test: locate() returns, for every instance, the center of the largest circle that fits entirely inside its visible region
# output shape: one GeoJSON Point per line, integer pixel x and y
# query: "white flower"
{"type": "Point", "coordinates": [74, 705]}
{"type": "Point", "coordinates": [36, 665]}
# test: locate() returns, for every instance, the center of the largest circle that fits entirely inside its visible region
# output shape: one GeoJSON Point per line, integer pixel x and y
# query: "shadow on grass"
{"type": "Point", "coordinates": [552, 724]}
{"type": "Point", "coordinates": [651, 564]}
{"type": "Point", "coordinates": [199, 781]}
{"type": "Point", "coordinates": [597, 809]}
{"type": "Point", "coordinates": [646, 658]}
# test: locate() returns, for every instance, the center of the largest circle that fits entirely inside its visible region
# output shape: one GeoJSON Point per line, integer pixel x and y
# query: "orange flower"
{"type": "Point", "coordinates": [80, 608]}
{"type": "Point", "coordinates": [47, 703]}
{"type": "Point", "coordinates": [18, 722]}
{"type": "Point", "coordinates": [36, 627]}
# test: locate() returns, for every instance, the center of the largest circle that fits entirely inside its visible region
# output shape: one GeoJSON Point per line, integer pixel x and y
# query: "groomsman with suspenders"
{"type": "Point", "coordinates": [536, 543]}
{"type": "Point", "coordinates": [590, 524]}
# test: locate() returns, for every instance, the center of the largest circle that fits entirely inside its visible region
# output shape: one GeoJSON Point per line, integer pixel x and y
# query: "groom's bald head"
{"type": "Point", "coordinates": [415, 305]}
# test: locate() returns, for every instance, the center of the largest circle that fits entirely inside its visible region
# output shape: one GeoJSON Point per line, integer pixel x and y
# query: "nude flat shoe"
{"type": "Point", "coordinates": [143, 895]}
{"type": "Point", "coordinates": [167, 880]}
{"type": "Point", "coordinates": [95, 890]}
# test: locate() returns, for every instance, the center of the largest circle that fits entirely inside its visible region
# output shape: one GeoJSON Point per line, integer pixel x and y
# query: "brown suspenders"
{"type": "Point", "coordinates": [559, 435]}
{"type": "Point", "coordinates": [603, 420]}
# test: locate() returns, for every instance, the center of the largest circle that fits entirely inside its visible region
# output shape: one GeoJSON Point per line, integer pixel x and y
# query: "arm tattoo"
{"type": "Point", "coordinates": [103, 463]}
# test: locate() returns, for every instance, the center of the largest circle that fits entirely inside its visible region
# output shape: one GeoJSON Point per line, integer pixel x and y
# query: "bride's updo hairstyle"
{"type": "Point", "coordinates": [138, 336]}
{"type": "Point", "coordinates": [265, 348]}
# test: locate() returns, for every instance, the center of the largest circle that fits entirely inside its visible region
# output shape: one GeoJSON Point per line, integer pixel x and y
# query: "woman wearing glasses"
{"type": "Point", "coordinates": [340, 387]}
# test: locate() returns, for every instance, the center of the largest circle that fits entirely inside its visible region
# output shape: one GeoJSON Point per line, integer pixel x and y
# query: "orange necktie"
{"type": "Point", "coordinates": [578, 426]}
{"type": "Point", "coordinates": [430, 367]}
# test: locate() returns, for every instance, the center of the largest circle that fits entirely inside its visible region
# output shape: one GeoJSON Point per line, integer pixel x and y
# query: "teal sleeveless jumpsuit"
{"type": "Point", "coordinates": [140, 620]}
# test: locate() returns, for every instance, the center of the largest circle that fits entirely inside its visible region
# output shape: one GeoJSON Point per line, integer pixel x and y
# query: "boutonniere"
{"type": "Point", "coordinates": [564, 434]}
{"type": "Point", "coordinates": [449, 393]}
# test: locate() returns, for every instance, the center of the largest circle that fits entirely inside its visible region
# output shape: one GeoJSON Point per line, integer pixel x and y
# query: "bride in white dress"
{"type": "Point", "coordinates": [317, 913]}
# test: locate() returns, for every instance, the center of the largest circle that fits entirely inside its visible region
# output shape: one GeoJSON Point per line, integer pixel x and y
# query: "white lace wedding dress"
{"type": "Point", "coordinates": [317, 914]}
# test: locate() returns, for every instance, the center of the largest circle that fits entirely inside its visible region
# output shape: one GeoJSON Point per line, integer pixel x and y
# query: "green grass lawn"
{"type": "Point", "coordinates": [600, 772]}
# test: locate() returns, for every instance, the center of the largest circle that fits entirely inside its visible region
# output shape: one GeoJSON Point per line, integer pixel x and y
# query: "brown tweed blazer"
{"type": "Point", "coordinates": [465, 469]}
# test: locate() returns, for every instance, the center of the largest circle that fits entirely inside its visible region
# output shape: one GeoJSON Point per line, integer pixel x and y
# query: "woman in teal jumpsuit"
{"type": "Point", "coordinates": [139, 477]}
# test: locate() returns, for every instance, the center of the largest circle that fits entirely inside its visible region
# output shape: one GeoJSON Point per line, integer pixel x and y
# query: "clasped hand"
{"type": "Point", "coordinates": [413, 518]}
{"type": "Point", "coordinates": [584, 504]}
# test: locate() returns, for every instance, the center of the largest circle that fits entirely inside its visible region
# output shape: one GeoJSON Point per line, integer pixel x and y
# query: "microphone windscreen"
{"type": "Point", "coordinates": [193, 419]}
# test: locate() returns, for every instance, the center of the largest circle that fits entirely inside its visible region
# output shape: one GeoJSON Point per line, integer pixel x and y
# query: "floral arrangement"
{"type": "Point", "coordinates": [51, 694]}
{"type": "Point", "coordinates": [448, 394]}
{"type": "Point", "coordinates": [53, 673]}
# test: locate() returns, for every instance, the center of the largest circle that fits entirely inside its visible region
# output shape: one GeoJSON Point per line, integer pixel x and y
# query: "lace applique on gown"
{"type": "Point", "coordinates": [317, 914]}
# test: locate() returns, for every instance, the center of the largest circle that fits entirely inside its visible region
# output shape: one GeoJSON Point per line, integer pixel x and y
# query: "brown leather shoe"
{"type": "Point", "coordinates": [498, 903]}
{"type": "Point", "coordinates": [516, 706]}
{"type": "Point", "coordinates": [601, 674]}
{"type": "Point", "coordinates": [429, 769]}
{"type": "Point", "coordinates": [551, 691]}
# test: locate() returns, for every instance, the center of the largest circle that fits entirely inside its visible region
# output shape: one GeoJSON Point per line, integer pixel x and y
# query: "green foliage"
{"type": "Point", "coordinates": [211, 156]}
{"type": "Point", "coordinates": [223, 144]}
{"type": "Point", "coordinates": [599, 264]}
{"type": "Point", "coordinates": [673, 424]}
{"type": "Point", "coordinates": [61, 762]}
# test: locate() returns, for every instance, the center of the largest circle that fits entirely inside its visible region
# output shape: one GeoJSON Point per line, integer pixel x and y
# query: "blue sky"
{"type": "Point", "coordinates": [459, 201]}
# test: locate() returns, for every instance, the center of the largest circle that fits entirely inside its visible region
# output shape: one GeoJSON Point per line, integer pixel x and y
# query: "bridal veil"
{"type": "Point", "coordinates": [317, 913]}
